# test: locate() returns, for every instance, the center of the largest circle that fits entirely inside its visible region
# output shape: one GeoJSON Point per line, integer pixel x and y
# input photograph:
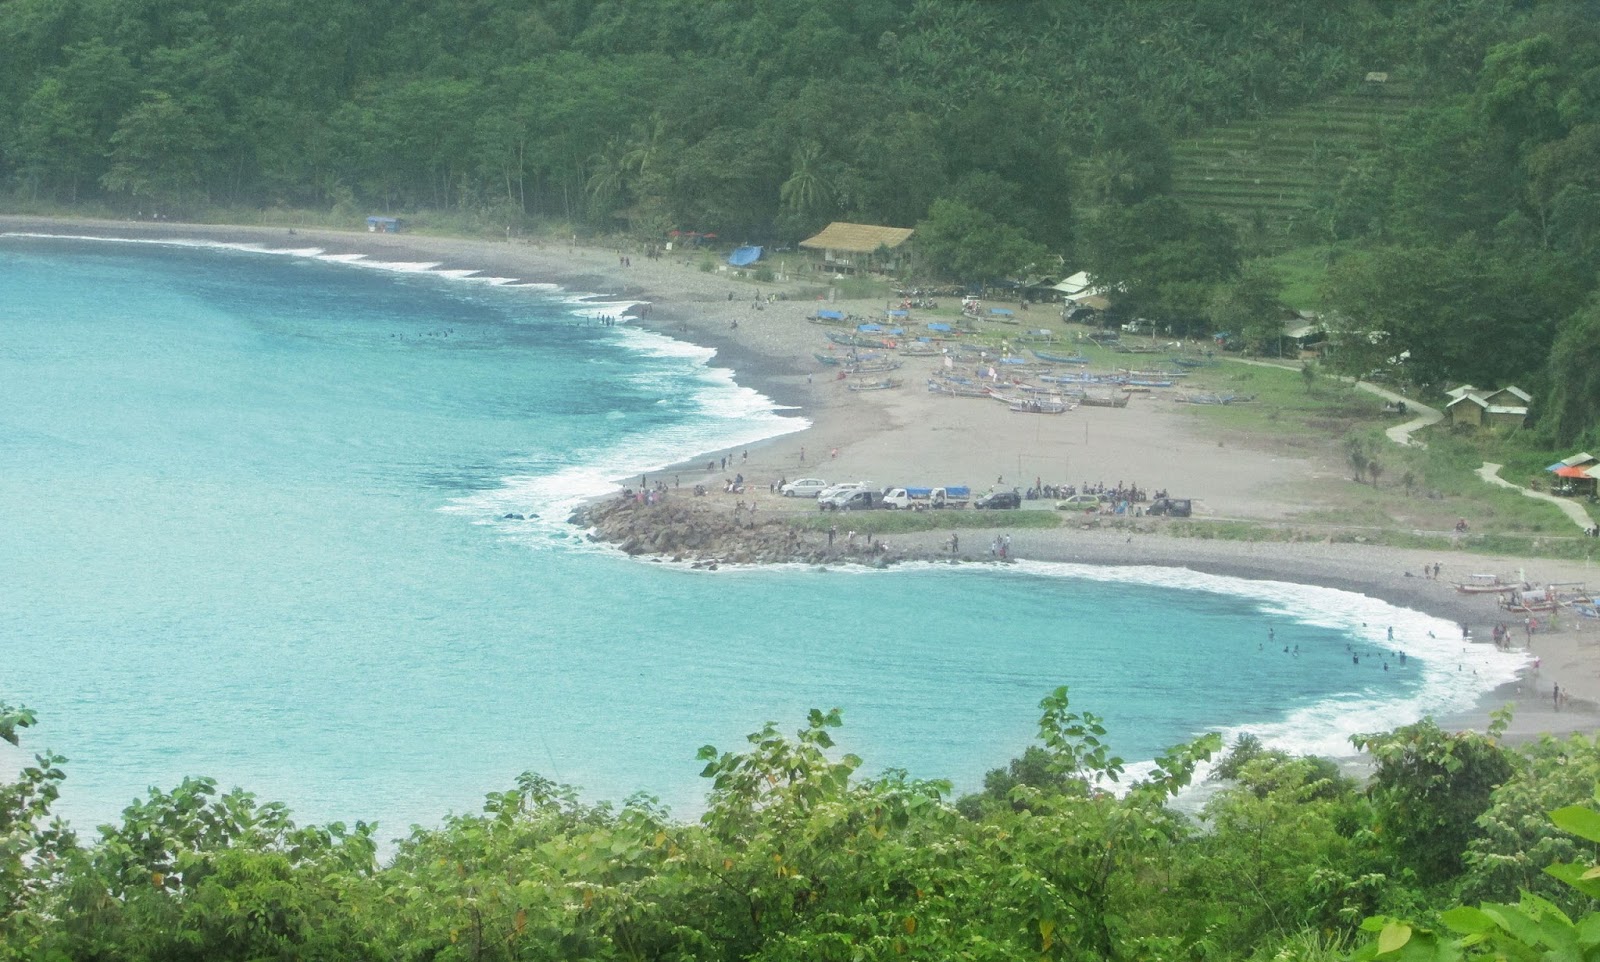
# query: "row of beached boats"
{"type": "Point", "coordinates": [1009, 378]}
{"type": "Point", "coordinates": [1521, 597]}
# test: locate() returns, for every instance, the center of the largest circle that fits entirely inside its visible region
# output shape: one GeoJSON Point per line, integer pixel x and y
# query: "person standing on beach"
{"type": "Point", "coordinates": [1555, 696]}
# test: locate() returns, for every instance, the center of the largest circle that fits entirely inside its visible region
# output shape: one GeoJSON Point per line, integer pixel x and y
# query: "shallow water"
{"type": "Point", "coordinates": [251, 526]}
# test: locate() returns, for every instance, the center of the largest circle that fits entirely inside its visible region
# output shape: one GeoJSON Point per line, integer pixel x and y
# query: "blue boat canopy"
{"type": "Point", "coordinates": [898, 312]}
{"type": "Point", "coordinates": [938, 327]}
{"type": "Point", "coordinates": [831, 315]}
{"type": "Point", "coordinates": [1000, 311]}
{"type": "Point", "coordinates": [869, 328]}
{"type": "Point", "coordinates": [744, 256]}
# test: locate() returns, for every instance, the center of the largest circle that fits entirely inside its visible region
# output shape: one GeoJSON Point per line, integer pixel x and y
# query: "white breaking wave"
{"type": "Point", "coordinates": [1456, 674]}
{"type": "Point", "coordinates": [724, 414]}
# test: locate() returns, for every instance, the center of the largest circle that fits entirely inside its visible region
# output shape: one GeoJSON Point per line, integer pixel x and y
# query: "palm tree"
{"type": "Point", "coordinates": [806, 189]}
{"type": "Point", "coordinates": [610, 177]}
{"type": "Point", "coordinates": [644, 146]}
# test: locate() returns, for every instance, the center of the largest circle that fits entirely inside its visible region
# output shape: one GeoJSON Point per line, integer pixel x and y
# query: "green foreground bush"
{"type": "Point", "coordinates": [799, 855]}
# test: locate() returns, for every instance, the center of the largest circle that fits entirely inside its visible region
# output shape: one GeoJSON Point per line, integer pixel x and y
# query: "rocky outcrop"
{"type": "Point", "coordinates": [706, 534]}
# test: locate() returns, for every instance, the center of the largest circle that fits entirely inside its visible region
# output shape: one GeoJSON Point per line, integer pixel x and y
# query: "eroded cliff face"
{"type": "Point", "coordinates": [698, 531]}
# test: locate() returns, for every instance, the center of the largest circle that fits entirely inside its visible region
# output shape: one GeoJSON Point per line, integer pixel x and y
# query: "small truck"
{"type": "Point", "coordinates": [917, 499]}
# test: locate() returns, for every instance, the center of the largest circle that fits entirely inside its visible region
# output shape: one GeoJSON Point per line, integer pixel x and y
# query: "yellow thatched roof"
{"type": "Point", "coordinates": [857, 238]}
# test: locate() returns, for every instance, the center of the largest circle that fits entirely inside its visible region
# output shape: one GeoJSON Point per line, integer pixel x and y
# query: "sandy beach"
{"type": "Point", "coordinates": [910, 436]}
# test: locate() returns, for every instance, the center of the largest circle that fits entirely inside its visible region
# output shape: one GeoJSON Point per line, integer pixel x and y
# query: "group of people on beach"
{"type": "Point", "coordinates": [1131, 493]}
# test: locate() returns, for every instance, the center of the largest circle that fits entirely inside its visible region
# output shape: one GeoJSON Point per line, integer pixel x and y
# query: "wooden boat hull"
{"type": "Point", "coordinates": [883, 385]}
{"type": "Point", "coordinates": [1050, 357]}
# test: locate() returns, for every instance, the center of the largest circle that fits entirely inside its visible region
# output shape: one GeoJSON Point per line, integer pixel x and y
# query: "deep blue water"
{"type": "Point", "coordinates": [250, 527]}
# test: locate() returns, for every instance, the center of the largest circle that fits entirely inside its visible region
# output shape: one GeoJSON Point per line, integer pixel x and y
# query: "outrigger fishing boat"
{"type": "Point", "coordinates": [1110, 401]}
{"type": "Point", "coordinates": [1053, 358]}
{"type": "Point", "coordinates": [1037, 405]}
{"type": "Point", "coordinates": [1487, 585]}
{"type": "Point", "coordinates": [1565, 595]}
{"type": "Point", "coordinates": [883, 384]}
{"type": "Point", "coordinates": [872, 367]}
{"type": "Point", "coordinates": [856, 340]}
{"type": "Point", "coordinates": [956, 388]}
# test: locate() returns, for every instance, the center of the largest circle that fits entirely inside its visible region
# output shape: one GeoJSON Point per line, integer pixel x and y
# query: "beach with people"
{"type": "Point", "coordinates": [763, 333]}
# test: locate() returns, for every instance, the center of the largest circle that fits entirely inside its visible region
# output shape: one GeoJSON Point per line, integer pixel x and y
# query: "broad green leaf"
{"type": "Point", "coordinates": [1575, 876]}
{"type": "Point", "coordinates": [1467, 920]}
{"type": "Point", "coordinates": [1394, 937]}
{"type": "Point", "coordinates": [1580, 820]}
{"type": "Point", "coordinates": [1588, 930]}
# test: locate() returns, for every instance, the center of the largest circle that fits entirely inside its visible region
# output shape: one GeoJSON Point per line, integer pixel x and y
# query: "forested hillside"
{"type": "Point", "coordinates": [681, 111]}
{"type": "Point", "coordinates": [1021, 138]}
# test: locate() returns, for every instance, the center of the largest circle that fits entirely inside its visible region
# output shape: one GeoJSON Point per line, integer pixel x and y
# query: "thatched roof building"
{"type": "Point", "coordinates": [858, 246]}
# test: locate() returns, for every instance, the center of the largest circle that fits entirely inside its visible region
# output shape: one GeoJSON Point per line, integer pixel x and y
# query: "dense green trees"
{"type": "Point", "coordinates": [893, 103]}
{"type": "Point", "coordinates": [800, 856]}
{"type": "Point", "coordinates": [1021, 137]}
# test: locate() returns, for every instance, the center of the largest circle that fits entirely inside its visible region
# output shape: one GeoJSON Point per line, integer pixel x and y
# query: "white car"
{"type": "Point", "coordinates": [842, 487]}
{"type": "Point", "coordinates": [1079, 502]}
{"type": "Point", "coordinates": [803, 488]}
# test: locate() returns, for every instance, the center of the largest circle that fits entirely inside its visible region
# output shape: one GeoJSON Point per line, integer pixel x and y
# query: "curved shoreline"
{"type": "Point", "coordinates": [685, 305]}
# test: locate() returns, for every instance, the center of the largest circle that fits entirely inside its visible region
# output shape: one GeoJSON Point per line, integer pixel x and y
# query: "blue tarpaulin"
{"type": "Point", "coordinates": [744, 256]}
{"type": "Point", "coordinates": [1000, 312]}
{"type": "Point", "coordinates": [869, 328]}
{"type": "Point", "coordinates": [831, 315]}
{"type": "Point", "coordinates": [897, 313]}
{"type": "Point", "coordinates": [938, 327]}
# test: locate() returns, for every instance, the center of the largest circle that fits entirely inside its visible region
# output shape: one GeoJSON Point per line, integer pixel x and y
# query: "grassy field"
{"type": "Point", "coordinates": [1284, 404]}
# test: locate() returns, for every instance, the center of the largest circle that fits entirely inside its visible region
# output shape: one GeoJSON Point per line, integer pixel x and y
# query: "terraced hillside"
{"type": "Point", "coordinates": [1264, 173]}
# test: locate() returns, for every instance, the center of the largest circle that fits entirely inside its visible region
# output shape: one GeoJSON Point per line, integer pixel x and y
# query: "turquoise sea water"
{"type": "Point", "coordinates": [251, 527]}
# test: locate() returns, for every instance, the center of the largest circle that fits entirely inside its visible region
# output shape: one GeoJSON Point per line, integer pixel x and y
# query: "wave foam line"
{"type": "Point", "coordinates": [431, 268]}
{"type": "Point", "coordinates": [1456, 673]}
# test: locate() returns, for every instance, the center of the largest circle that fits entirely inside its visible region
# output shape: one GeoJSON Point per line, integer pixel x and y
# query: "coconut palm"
{"type": "Point", "coordinates": [806, 189]}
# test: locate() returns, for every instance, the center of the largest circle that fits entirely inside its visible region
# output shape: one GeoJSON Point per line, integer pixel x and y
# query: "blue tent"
{"type": "Point", "coordinates": [744, 256]}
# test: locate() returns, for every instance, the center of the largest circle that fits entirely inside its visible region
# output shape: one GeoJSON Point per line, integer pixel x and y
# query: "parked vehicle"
{"type": "Point", "coordinates": [917, 498]}
{"type": "Point", "coordinates": [1079, 502]}
{"type": "Point", "coordinates": [1172, 507]}
{"type": "Point", "coordinates": [841, 487]}
{"type": "Point", "coordinates": [862, 499]}
{"type": "Point", "coordinates": [803, 488]}
{"type": "Point", "coordinates": [999, 499]}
